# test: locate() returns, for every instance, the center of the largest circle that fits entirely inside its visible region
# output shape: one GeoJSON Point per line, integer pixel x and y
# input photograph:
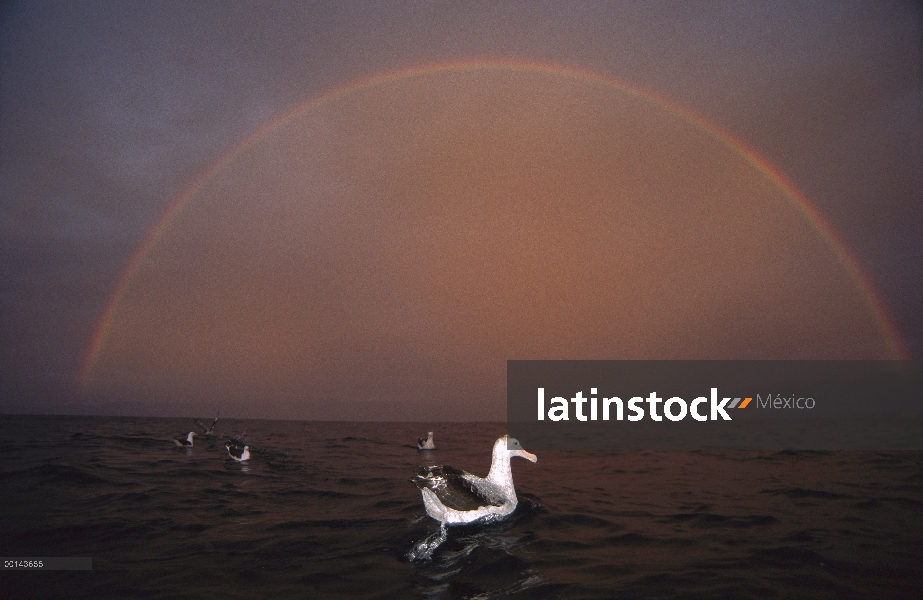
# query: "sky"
{"type": "Point", "coordinates": [360, 211]}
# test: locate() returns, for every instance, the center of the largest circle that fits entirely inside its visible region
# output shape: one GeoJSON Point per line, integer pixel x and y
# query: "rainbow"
{"type": "Point", "coordinates": [772, 173]}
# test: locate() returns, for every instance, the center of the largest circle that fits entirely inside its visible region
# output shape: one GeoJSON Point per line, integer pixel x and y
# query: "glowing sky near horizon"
{"type": "Point", "coordinates": [397, 245]}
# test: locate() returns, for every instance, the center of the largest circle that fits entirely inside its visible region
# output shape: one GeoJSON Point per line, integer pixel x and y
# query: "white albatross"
{"type": "Point", "coordinates": [426, 443]}
{"type": "Point", "coordinates": [455, 497]}
{"type": "Point", "coordinates": [187, 442]}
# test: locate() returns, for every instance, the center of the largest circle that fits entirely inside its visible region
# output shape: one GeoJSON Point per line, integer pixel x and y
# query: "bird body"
{"type": "Point", "coordinates": [456, 497]}
{"type": "Point", "coordinates": [187, 442]}
{"type": "Point", "coordinates": [238, 453]}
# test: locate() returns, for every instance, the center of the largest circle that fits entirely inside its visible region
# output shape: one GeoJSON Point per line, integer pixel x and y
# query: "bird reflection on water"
{"type": "Point", "coordinates": [470, 560]}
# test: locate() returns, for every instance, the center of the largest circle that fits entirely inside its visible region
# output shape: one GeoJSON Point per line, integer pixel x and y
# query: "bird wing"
{"type": "Point", "coordinates": [237, 441]}
{"type": "Point", "coordinates": [454, 488]}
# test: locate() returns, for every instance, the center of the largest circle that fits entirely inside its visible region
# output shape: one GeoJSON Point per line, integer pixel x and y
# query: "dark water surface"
{"type": "Point", "coordinates": [327, 510]}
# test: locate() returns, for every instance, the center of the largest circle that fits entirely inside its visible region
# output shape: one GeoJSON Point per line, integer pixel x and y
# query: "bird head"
{"type": "Point", "coordinates": [511, 447]}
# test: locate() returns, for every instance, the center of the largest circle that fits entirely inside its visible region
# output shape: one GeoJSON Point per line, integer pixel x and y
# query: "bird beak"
{"type": "Point", "coordinates": [527, 455]}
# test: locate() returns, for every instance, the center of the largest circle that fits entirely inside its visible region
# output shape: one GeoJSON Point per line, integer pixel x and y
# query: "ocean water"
{"type": "Point", "coordinates": [327, 510]}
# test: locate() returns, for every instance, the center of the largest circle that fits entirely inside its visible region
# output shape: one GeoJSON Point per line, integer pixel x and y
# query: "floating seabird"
{"type": "Point", "coordinates": [426, 443]}
{"type": "Point", "coordinates": [456, 497]}
{"type": "Point", "coordinates": [187, 442]}
{"type": "Point", "coordinates": [208, 430]}
{"type": "Point", "coordinates": [238, 453]}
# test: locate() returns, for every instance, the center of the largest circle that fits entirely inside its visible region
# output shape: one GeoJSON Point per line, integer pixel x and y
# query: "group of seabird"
{"type": "Point", "coordinates": [238, 449]}
{"type": "Point", "coordinates": [456, 497]}
{"type": "Point", "coordinates": [450, 495]}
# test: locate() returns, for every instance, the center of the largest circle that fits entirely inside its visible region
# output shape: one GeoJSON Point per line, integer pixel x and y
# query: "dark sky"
{"type": "Point", "coordinates": [383, 253]}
